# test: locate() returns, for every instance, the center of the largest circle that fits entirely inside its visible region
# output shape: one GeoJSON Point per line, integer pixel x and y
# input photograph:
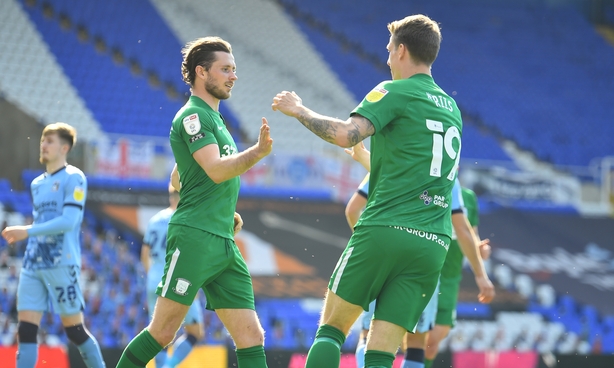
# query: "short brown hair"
{"type": "Point", "coordinates": [65, 132]}
{"type": "Point", "coordinates": [201, 52]}
{"type": "Point", "coordinates": [420, 34]}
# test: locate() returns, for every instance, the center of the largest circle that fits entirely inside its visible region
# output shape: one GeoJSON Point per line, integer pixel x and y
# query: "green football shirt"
{"type": "Point", "coordinates": [204, 204]}
{"type": "Point", "coordinates": [453, 265]}
{"type": "Point", "coordinates": [471, 204]}
{"type": "Point", "coordinates": [414, 154]}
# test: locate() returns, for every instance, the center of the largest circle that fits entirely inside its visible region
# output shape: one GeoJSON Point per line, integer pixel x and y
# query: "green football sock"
{"type": "Point", "coordinates": [253, 357]}
{"type": "Point", "coordinates": [428, 363]}
{"type": "Point", "coordinates": [139, 351]}
{"type": "Point", "coordinates": [378, 359]}
{"type": "Point", "coordinates": [326, 349]}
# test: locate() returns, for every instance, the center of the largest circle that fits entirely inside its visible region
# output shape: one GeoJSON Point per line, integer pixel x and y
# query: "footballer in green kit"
{"type": "Point", "coordinates": [400, 242]}
{"type": "Point", "coordinates": [451, 275]}
{"type": "Point", "coordinates": [195, 126]}
{"type": "Point", "coordinates": [451, 272]}
{"type": "Point", "coordinates": [201, 252]}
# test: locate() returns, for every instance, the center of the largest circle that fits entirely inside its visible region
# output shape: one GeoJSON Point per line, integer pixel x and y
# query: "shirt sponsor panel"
{"type": "Point", "coordinates": [424, 234]}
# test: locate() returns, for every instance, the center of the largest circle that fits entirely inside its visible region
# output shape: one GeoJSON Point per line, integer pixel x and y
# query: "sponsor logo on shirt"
{"type": "Point", "coordinates": [437, 200]}
{"type": "Point", "coordinates": [424, 234]}
{"type": "Point", "coordinates": [45, 206]}
{"type": "Point", "coordinates": [78, 194]}
{"type": "Point", "coordinates": [191, 124]}
{"type": "Point", "coordinates": [376, 94]}
{"type": "Point", "coordinates": [181, 288]}
{"type": "Point", "coordinates": [440, 201]}
{"type": "Point", "coordinates": [426, 198]}
{"type": "Point", "coordinates": [197, 137]}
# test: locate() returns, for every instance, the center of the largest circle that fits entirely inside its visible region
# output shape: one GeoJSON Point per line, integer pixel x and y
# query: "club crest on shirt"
{"type": "Point", "coordinates": [376, 94]}
{"type": "Point", "coordinates": [181, 287]}
{"type": "Point", "coordinates": [78, 194]}
{"type": "Point", "coordinates": [191, 124]}
{"type": "Point", "coordinates": [55, 187]}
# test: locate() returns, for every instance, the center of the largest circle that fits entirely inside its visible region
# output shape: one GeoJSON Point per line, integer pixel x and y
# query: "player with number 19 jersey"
{"type": "Point", "coordinates": [400, 242]}
{"type": "Point", "coordinates": [414, 154]}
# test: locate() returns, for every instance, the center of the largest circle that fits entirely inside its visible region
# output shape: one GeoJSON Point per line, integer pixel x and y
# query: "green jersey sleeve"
{"type": "Point", "coordinates": [198, 131]}
{"type": "Point", "coordinates": [382, 105]}
{"type": "Point", "coordinates": [471, 204]}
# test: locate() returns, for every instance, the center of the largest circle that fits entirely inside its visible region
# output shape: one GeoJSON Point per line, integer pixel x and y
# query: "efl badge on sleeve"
{"type": "Point", "coordinates": [78, 194]}
{"type": "Point", "coordinates": [191, 123]}
{"type": "Point", "coordinates": [376, 95]}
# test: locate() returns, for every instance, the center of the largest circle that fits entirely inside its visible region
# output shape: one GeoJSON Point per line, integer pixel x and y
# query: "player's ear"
{"type": "Point", "coordinates": [199, 71]}
{"type": "Point", "coordinates": [402, 51]}
{"type": "Point", "coordinates": [65, 148]}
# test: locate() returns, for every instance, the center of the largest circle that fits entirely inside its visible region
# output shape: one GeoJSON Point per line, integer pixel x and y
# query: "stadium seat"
{"type": "Point", "coordinates": [504, 56]}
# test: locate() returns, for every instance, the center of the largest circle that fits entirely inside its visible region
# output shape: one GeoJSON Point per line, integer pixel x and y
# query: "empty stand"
{"type": "Point", "coordinates": [525, 70]}
{"type": "Point", "coordinates": [33, 78]}
{"type": "Point", "coordinates": [271, 56]}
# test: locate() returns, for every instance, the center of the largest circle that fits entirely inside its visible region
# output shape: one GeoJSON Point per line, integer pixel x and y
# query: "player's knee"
{"type": "Point", "coordinates": [257, 335]}
{"type": "Point", "coordinates": [77, 334]}
{"type": "Point", "coordinates": [250, 337]}
{"type": "Point", "coordinates": [163, 336]}
{"type": "Point", "coordinates": [26, 332]}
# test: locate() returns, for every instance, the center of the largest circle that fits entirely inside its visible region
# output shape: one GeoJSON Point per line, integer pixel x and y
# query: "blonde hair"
{"type": "Point", "coordinates": [65, 132]}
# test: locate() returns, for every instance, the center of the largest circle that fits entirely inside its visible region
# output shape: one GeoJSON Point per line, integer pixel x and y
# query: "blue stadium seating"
{"type": "Point", "coordinates": [531, 72]}
{"type": "Point", "coordinates": [121, 25]}
{"type": "Point", "coordinates": [120, 101]}
{"type": "Point", "coordinates": [584, 320]}
{"type": "Point", "coordinates": [360, 76]}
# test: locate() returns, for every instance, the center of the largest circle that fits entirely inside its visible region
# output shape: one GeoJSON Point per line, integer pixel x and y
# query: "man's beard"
{"type": "Point", "coordinates": [215, 91]}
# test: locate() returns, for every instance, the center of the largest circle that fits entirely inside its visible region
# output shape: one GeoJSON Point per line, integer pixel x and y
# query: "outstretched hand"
{"type": "Point", "coordinates": [287, 102]}
{"type": "Point", "coordinates": [360, 153]}
{"type": "Point", "coordinates": [265, 142]}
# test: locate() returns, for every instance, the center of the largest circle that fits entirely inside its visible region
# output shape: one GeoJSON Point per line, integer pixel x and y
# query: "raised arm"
{"type": "Point", "coordinates": [342, 133]}
{"type": "Point", "coordinates": [360, 154]}
{"type": "Point", "coordinates": [220, 169]}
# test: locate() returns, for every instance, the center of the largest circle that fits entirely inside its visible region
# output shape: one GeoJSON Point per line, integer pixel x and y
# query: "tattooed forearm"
{"type": "Point", "coordinates": [341, 133]}
{"type": "Point", "coordinates": [360, 129]}
{"type": "Point", "coordinates": [322, 126]}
